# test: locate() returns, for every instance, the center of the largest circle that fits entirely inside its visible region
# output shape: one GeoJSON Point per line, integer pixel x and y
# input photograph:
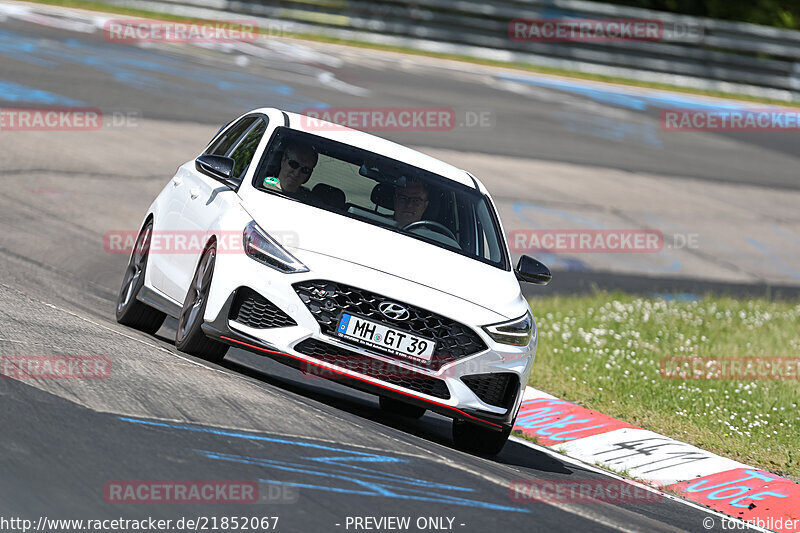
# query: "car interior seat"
{"type": "Point", "coordinates": [324, 194]}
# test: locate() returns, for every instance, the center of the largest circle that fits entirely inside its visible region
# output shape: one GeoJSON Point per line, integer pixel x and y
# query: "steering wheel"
{"type": "Point", "coordinates": [435, 226]}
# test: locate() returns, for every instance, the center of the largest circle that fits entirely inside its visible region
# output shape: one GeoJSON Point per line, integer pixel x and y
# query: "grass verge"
{"type": "Point", "coordinates": [110, 8]}
{"type": "Point", "coordinates": [604, 352]}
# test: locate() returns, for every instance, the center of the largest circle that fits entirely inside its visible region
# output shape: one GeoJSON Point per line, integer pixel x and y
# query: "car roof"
{"type": "Point", "coordinates": [372, 143]}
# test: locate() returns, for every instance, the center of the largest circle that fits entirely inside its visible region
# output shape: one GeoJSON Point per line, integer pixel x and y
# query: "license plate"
{"type": "Point", "coordinates": [379, 336]}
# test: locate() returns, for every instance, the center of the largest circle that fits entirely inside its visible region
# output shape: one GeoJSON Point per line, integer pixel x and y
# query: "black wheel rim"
{"type": "Point", "coordinates": [135, 268]}
{"type": "Point", "coordinates": [196, 297]}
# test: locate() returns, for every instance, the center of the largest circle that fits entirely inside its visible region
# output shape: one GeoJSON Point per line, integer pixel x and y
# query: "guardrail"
{"type": "Point", "coordinates": [694, 52]}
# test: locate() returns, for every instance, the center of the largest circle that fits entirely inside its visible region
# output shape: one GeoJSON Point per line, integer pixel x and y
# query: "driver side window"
{"type": "Point", "coordinates": [246, 149]}
{"type": "Point", "coordinates": [227, 139]}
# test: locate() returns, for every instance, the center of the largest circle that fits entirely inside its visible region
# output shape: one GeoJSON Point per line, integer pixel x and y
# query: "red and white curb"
{"type": "Point", "coordinates": [727, 486]}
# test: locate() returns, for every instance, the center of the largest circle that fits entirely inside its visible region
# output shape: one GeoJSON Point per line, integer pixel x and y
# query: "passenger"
{"type": "Point", "coordinates": [410, 202]}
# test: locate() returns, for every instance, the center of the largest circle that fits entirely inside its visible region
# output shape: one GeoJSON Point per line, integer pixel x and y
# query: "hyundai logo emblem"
{"type": "Point", "coordinates": [394, 311]}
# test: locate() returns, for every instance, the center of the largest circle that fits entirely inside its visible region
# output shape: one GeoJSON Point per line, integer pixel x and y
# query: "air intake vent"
{"type": "Point", "coordinates": [252, 309]}
{"type": "Point", "coordinates": [495, 389]}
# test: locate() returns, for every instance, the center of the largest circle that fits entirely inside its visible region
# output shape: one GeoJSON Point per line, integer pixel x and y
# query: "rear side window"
{"type": "Point", "coordinates": [246, 149]}
{"type": "Point", "coordinates": [229, 138]}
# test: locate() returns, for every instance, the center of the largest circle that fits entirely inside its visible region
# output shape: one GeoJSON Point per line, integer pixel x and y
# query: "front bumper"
{"type": "Point", "coordinates": [396, 379]}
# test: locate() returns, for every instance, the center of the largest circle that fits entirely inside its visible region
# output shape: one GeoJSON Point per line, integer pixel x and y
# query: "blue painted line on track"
{"type": "Point", "coordinates": [611, 129]}
{"type": "Point", "coordinates": [639, 100]}
{"type": "Point", "coordinates": [789, 236]}
{"type": "Point", "coordinates": [371, 485]}
{"type": "Point", "coordinates": [341, 476]}
{"type": "Point", "coordinates": [253, 436]}
{"type": "Point", "coordinates": [17, 93]}
{"type": "Point", "coordinates": [153, 72]}
{"type": "Point", "coordinates": [366, 473]}
{"type": "Point", "coordinates": [775, 261]}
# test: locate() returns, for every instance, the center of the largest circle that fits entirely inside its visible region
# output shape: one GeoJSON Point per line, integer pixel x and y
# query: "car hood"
{"type": "Point", "coordinates": [302, 227]}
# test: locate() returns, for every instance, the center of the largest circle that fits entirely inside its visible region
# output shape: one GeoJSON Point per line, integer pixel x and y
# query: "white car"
{"type": "Point", "coordinates": [349, 257]}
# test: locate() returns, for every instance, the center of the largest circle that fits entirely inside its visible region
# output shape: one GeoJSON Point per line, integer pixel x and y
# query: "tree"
{"type": "Point", "coordinates": [779, 13]}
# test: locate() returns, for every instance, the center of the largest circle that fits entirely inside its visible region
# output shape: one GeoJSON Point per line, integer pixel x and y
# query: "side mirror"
{"type": "Point", "coordinates": [218, 167]}
{"type": "Point", "coordinates": [532, 271]}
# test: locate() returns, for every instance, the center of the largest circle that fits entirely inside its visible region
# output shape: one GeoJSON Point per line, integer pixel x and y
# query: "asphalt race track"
{"type": "Point", "coordinates": [556, 153]}
{"type": "Point", "coordinates": [319, 452]}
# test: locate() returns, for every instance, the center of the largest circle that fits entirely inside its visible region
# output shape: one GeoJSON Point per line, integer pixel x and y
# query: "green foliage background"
{"type": "Point", "coordinates": [779, 13]}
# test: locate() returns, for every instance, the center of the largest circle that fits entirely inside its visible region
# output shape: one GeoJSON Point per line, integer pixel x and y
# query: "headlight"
{"type": "Point", "coordinates": [264, 249]}
{"type": "Point", "coordinates": [517, 332]}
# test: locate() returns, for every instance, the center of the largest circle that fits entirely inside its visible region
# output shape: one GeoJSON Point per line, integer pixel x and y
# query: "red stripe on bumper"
{"type": "Point", "coordinates": [259, 348]}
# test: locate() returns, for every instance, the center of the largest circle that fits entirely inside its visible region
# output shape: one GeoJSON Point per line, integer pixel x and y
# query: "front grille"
{"type": "Point", "coordinates": [494, 389]}
{"type": "Point", "coordinates": [327, 300]}
{"type": "Point", "coordinates": [356, 362]}
{"type": "Point", "coordinates": [252, 309]}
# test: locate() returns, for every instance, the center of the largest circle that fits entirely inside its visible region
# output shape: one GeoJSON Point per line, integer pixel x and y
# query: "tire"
{"type": "Point", "coordinates": [473, 438]}
{"type": "Point", "coordinates": [130, 311]}
{"type": "Point", "coordinates": [397, 407]}
{"type": "Point", "coordinates": [189, 336]}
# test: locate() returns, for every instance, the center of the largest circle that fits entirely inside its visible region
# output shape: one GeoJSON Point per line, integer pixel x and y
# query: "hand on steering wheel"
{"type": "Point", "coordinates": [435, 226]}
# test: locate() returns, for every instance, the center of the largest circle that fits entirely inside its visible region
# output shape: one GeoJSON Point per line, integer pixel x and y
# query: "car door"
{"type": "Point", "coordinates": [209, 199]}
{"type": "Point", "coordinates": [174, 265]}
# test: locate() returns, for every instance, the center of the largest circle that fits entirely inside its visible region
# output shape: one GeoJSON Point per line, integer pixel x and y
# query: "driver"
{"type": "Point", "coordinates": [410, 202]}
{"type": "Point", "coordinates": [297, 164]}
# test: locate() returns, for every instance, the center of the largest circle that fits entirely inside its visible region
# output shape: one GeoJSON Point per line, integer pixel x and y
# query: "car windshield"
{"type": "Point", "coordinates": [375, 189]}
